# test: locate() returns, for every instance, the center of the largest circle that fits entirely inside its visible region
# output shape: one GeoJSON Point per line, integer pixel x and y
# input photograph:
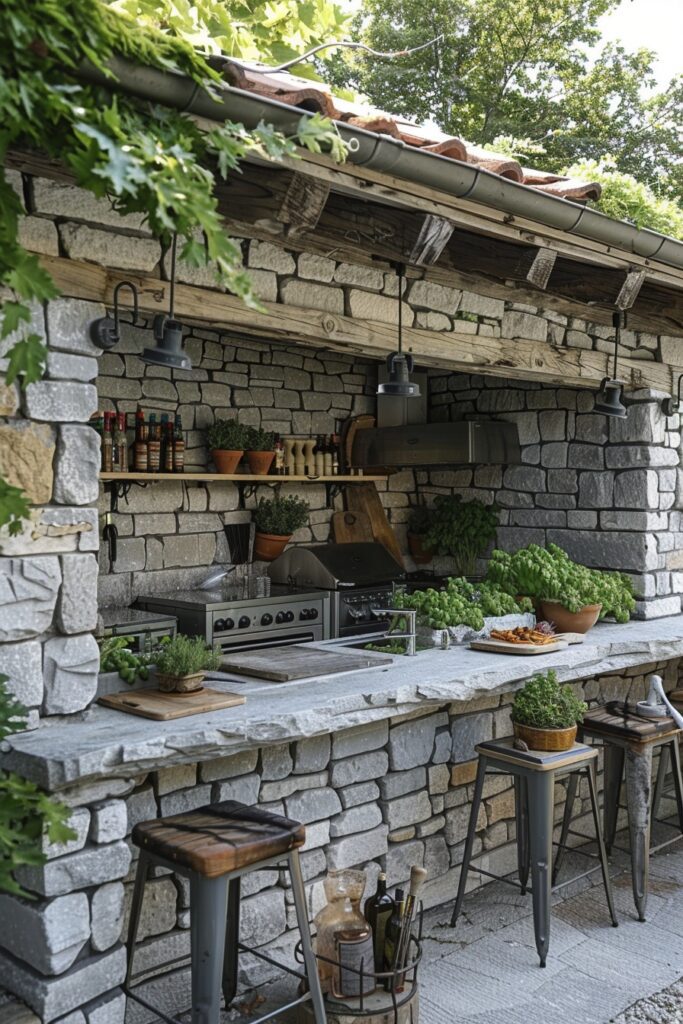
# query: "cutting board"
{"type": "Point", "coordinates": [352, 528]}
{"type": "Point", "coordinates": [365, 498]}
{"type": "Point", "coordinates": [503, 647]}
{"type": "Point", "coordinates": [281, 664]}
{"type": "Point", "coordinates": [164, 706]}
{"type": "Point", "coordinates": [349, 431]}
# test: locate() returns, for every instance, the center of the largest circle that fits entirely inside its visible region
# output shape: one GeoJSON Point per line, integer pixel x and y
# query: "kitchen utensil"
{"type": "Point", "coordinates": [351, 528]}
{"type": "Point", "coordinates": [418, 877]}
{"type": "Point", "coordinates": [164, 706]}
{"type": "Point", "coordinates": [282, 664]}
{"type": "Point", "coordinates": [365, 498]}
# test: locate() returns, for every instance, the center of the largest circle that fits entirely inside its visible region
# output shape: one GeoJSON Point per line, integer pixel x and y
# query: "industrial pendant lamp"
{"type": "Point", "coordinates": [399, 364]}
{"type": "Point", "coordinates": [608, 400]}
{"type": "Point", "coordinates": [168, 332]}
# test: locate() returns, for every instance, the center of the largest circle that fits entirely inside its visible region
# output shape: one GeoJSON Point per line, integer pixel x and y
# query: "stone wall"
{"type": "Point", "coordinates": [383, 796]}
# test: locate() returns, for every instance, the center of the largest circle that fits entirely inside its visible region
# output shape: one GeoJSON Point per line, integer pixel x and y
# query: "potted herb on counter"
{"type": "Point", "coordinates": [418, 526]}
{"type": "Point", "coordinates": [226, 440]}
{"type": "Point", "coordinates": [545, 714]}
{"type": "Point", "coordinates": [461, 529]}
{"type": "Point", "coordinates": [183, 662]}
{"type": "Point", "coordinates": [260, 447]}
{"type": "Point", "coordinates": [276, 520]}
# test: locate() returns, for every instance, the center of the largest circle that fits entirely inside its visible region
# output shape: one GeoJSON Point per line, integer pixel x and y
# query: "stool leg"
{"type": "Point", "coordinates": [522, 822]}
{"type": "Point", "coordinates": [141, 875]}
{"type": "Point", "coordinates": [208, 912]}
{"type": "Point", "coordinates": [638, 790]}
{"type": "Point", "coordinates": [232, 938]}
{"type": "Point", "coordinates": [661, 779]}
{"type": "Point", "coordinates": [614, 770]}
{"type": "Point", "coordinates": [591, 772]}
{"type": "Point", "coordinates": [678, 778]}
{"type": "Point", "coordinates": [304, 931]}
{"type": "Point", "coordinates": [467, 856]}
{"type": "Point", "coordinates": [541, 787]}
{"type": "Point", "coordinates": [572, 783]}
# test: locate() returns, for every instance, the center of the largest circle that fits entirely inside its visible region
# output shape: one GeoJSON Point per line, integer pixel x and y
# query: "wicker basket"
{"type": "Point", "coordinates": [545, 739]}
{"type": "Point", "coordinates": [180, 684]}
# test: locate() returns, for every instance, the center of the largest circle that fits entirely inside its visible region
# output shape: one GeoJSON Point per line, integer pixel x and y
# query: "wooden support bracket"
{"type": "Point", "coordinates": [431, 241]}
{"type": "Point", "coordinates": [630, 289]}
{"type": "Point", "coordinates": [303, 203]}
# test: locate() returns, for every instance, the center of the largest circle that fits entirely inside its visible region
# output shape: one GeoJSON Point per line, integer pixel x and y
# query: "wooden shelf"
{"type": "Point", "coordinates": [239, 478]}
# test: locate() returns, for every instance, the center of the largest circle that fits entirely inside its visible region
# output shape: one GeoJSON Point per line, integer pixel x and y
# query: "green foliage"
{"type": "Point", "coordinates": [625, 198]}
{"type": "Point", "coordinates": [26, 813]}
{"type": "Point", "coordinates": [280, 516]}
{"type": "Point", "coordinates": [420, 520]}
{"type": "Point", "coordinates": [116, 656]}
{"type": "Point", "coordinates": [548, 574]}
{"type": "Point", "coordinates": [185, 655]}
{"type": "Point", "coordinates": [544, 704]}
{"type": "Point", "coordinates": [227, 435]}
{"type": "Point", "coordinates": [258, 440]}
{"type": "Point", "coordinates": [13, 507]}
{"type": "Point", "coordinates": [462, 529]}
{"type": "Point", "coordinates": [461, 604]}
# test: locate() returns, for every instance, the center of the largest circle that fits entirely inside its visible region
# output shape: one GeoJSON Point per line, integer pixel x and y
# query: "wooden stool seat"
{"type": "Point", "coordinates": [620, 720]}
{"type": "Point", "coordinates": [536, 760]}
{"type": "Point", "coordinates": [220, 838]}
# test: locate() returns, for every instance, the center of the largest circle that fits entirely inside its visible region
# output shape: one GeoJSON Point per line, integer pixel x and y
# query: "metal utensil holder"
{"type": "Point", "coordinates": [399, 986]}
{"type": "Point", "coordinates": [410, 636]}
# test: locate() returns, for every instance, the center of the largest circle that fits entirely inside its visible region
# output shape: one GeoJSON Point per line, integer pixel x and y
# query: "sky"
{"type": "Point", "coordinates": [655, 24]}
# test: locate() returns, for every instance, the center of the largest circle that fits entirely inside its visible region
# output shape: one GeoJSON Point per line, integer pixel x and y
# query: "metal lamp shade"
{"type": "Point", "coordinates": [168, 350]}
{"type": "Point", "coordinates": [608, 399]}
{"type": "Point", "coordinates": [399, 384]}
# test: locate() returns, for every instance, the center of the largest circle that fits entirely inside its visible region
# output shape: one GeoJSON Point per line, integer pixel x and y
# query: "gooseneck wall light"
{"type": "Point", "coordinates": [399, 363]}
{"type": "Point", "coordinates": [608, 400]}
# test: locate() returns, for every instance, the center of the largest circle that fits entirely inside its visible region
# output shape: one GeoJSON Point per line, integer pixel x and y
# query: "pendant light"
{"type": "Point", "coordinates": [399, 363]}
{"type": "Point", "coordinates": [168, 332]}
{"type": "Point", "coordinates": [608, 400]}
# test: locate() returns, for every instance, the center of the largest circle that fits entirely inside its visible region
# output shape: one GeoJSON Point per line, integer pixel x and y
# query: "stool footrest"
{"type": "Point", "coordinates": [270, 960]}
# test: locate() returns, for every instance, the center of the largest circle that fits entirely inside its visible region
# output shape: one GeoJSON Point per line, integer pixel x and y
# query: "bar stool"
{"type": "Point", "coordinates": [535, 773]}
{"type": "Point", "coordinates": [629, 742]}
{"type": "Point", "coordinates": [213, 847]}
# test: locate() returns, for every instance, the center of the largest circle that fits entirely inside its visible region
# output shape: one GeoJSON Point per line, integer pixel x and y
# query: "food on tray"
{"type": "Point", "coordinates": [522, 635]}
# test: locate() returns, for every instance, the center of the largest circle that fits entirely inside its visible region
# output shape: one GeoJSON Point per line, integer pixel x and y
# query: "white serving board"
{"type": "Point", "coordinates": [504, 647]}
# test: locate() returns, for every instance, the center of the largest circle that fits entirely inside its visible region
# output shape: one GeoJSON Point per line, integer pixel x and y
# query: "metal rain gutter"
{"type": "Point", "coordinates": [384, 153]}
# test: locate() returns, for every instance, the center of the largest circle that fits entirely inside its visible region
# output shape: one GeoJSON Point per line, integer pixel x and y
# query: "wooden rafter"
{"type": "Point", "coordinates": [431, 241]}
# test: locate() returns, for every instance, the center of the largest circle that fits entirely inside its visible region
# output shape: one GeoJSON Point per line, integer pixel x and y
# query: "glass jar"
{"type": "Point", "coordinates": [341, 913]}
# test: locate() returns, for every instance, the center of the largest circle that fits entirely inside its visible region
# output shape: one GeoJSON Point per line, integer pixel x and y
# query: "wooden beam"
{"type": "Point", "coordinates": [540, 266]}
{"type": "Point", "coordinates": [431, 241]}
{"type": "Point", "coordinates": [302, 204]}
{"type": "Point", "coordinates": [516, 359]}
{"type": "Point", "coordinates": [628, 293]}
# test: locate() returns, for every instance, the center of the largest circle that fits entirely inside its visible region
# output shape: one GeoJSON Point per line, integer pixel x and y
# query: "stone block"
{"type": "Point", "coordinates": [293, 784]}
{"type": "Point", "coordinates": [9, 399]}
{"type": "Point", "coordinates": [63, 200]}
{"type": "Point", "coordinates": [644, 424]}
{"type": "Point", "coordinates": [60, 401]}
{"type": "Point", "coordinates": [412, 742]}
{"type": "Point", "coordinates": [313, 805]}
{"type": "Point", "coordinates": [68, 321]}
{"type": "Point", "coordinates": [315, 268]}
{"type": "Point", "coordinates": [407, 810]}
{"type": "Point", "coordinates": [22, 663]}
{"type": "Point", "coordinates": [190, 550]}
{"type": "Point", "coordinates": [180, 776]}
{"type": "Point", "coordinates": [626, 552]}
{"type": "Point", "coordinates": [596, 490]}
{"type": "Point", "coordinates": [434, 321]}
{"type": "Point", "coordinates": [28, 595]}
{"type": "Point", "coordinates": [637, 489]}
{"type": "Point", "coordinates": [244, 789]}
{"type": "Point", "coordinates": [464, 773]}
{"type": "Point", "coordinates": [55, 997]}
{"type": "Point", "coordinates": [109, 821]}
{"type": "Point", "coordinates": [110, 1010]}
{"type": "Point", "coordinates": [47, 935]}
{"type": "Point", "coordinates": [262, 917]}
{"type": "Point", "coordinates": [524, 478]}
{"type": "Point", "coordinates": [26, 453]}
{"type": "Point", "coordinates": [482, 305]}
{"type": "Point", "coordinates": [554, 455]}
{"type": "Point", "coordinates": [185, 800]}
{"type": "Point", "coordinates": [109, 249]}
{"type": "Point", "coordinates": [312, 754]}
{"type": "Point", "coordinates": [266, 256]}
{"type": "Point", "coordinates": [53, 529]}
{"type": "Point", "coordinates": [228, 767]}
{"type": "Point", "coordinates": [276, 762]}
{"type": "Point", "coordinates": [314, 296]}
{"type": "Point", "coordinates": [523, 325]}
{"type": "Point", "coordinates": [159, 907]}
{"type": "Point", "coordinates": [400, 859]}
{"type": "Point", "coordinates": [77, 465]}
{"type": "Point", "coordinates": [439, 778]}
{"type": "Point", "coordinates": [317, 835]}
{"type": "Point", "coordinates": [106, 914]}
{"type": "Point", "coordinates": [77, 604]}
{"type": "Point", "coordinates": [79, 822]}
{"type": "Point", "coordinates": [432, 296]}
{"type": "Point", "coordinates": [466, 732]}
{"type": "Point", "coordinates": [91, 866]}
{"type": "Point", "coordinates": [350, 851]}
{"type": "Point", "coordinates": [356, 820]}
{"type": "Point", "coordinates": [38, 235]}
{"type": "Point", "coordinates": [363, 277]}
{"type": "Point", "coordinates": [399, 783]}
{"type": "Point", "coordinates": [141, 806]}
{"type": "Point", "coordinates": [364, 792]}
{"type": "Point", "coordinates": [360, 768]}
{"type": "Point", "coordinates": [500, 806]}
{"type": "Point", "coordinates": [381, 308]}
{"type": "Point", "coordinates": [588, 456]}
{"type": "Point", "coordinates": [64, 366]}
{"type": "Point", "coordinates": [360, 739]}
{"type": "Point", "coordinates": [71, 665]}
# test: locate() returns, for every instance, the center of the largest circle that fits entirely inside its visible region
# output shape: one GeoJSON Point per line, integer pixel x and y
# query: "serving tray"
{"type": "Point", "coordinates": [505, 647]}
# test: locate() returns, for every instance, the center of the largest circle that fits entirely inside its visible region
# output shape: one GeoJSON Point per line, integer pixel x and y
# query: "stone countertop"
{"type": "Point", "coordinates": [102, 743]}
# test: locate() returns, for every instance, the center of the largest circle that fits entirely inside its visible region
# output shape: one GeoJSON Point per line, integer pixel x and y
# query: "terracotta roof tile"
{"type": "Point", "coordinates": [318, 96]}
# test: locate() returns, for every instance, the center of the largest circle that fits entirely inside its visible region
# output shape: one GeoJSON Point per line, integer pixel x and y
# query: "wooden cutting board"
{"type": "Point", "coordinates": [281, 664]}
{"type": "Point", "coordinates": [164, 706]}
{"type": "Point", "coordinates": [365, 498]}
{"type": "Point", "coordinates": [349, 430]}
{"type": "Point", "coordinates": [352, 528]}
{"type": "Point", "coordinates": [503, 647]}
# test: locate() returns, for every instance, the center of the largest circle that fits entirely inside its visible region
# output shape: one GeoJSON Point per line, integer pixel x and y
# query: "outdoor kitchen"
{"type": "Point", "coordinates": [308, 558]}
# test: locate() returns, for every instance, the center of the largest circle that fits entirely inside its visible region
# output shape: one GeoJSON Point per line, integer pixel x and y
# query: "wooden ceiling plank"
{"type": "Point", "coordinates": [431, 241]}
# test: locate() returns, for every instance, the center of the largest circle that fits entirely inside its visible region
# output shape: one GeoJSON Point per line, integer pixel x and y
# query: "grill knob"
{"type": "Point", "coordinates": [289, 616]}
{"type": "Point", "coordinates": [312, 613]}
{"type": "Point", "coordinates": [229, 624]}
{"type": "Point", "coordinates": [266, 619]}
{"type": "Point", "coordinates": [219, 625]}
{"type": "Point", "coordinates": [303, 614]}
{"type": "Point", "coordinates": [244, 622]}
{"type": "Point", "coordinates": [280, 618]}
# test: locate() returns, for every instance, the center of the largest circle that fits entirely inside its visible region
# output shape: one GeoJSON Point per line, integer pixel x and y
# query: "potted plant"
{"type": "Point", "coordinates": [545, 714]}
{"type": "Point", "coordinates": [260, 446]}
{"type": "Point", "coordinates": [461, 529]}
{"type": "Point", "coordinates": [226, 440]}
{"type": "Point", "coordinates": [418, 526]}
{"type": "Point", "coordinates": [276, 520]}
{"type": "Point", "coordinates": [182, 663]}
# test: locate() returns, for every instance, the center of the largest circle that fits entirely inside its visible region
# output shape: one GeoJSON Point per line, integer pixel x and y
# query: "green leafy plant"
{"type": "Point", "coordinates": [258, 440]}
{"type": "Point", "coordinates": [420, 520]}
{"type": "Point", "coordinates": [280, 516]}
{"type": "Point", "coordinates": [549, 574]}
{"type": "Point", "coordinates": [461, 529]}
{"type": "Point", "coordinates": [185, 655]}
{"type": "Point", "coordinates": [544, 704]}
{"type": "Point", "coordinates": [227, 435]}
{"type": "Point", "coordinates": [26, 812]}
{"type": "Point", "coordinates": [461, 604]}
{"type": "Point", "coordinates": [116, 656]}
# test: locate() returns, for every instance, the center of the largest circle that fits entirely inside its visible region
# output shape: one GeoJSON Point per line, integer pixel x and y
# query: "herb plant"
{"type": "Point", "coordinates": [26, 812]}
{"type": "Point", "coordinates": [115, 656]}
{"type": "Point", "coordinates": [544, 704]}
{"type": "Point", "coordinates": [461, 529]}
{"type": "Point", "coordinates": [549, 574]}
{"type": "Point", "coordinates": [461, 604]}
{"type": "Point", "coordinates": [185, 655]}
{"type": "Point", "coordinates": [280, 516]}
{"type": "Point", "coordinates": [420, 520]}
{"type": "Point", "coordinates": [258, 440]}
{"type": "Point", "coordinates": [227, 435]}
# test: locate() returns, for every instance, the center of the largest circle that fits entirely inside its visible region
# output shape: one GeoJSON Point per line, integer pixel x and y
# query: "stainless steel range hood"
{"type": "Point", "coordinates": [438, 444]}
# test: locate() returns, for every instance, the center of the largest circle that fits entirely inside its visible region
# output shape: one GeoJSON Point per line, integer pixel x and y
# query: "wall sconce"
{"type": "Point", "coordinates": [104, 332]}
{"type": "Point", "coordinates": [608, 400]}
{"type": "Point", "coordinates": [399, 364]}
{"type": "Point", "coordinates": [671, 405]}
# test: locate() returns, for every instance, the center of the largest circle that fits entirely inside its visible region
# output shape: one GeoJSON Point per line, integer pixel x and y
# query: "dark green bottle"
{"type": "Point", "coordinates": [378, 909]}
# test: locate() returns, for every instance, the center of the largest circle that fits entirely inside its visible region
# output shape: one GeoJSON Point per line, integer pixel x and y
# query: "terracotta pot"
{"type": "Point", "coordinates": [180, 684]}
{"type": "Point", "coordinates": [267, 546]}
{"type": "Point", "coordinates": [226, 461]}
{"type": "Point", "coordinates": [260, 462]}
{"type": "Point", "coordinates": [570, 622]}
{"type": "Point", "coordinates": [419, 553]}
{"type": "Point", "coordinates": [545, 739]}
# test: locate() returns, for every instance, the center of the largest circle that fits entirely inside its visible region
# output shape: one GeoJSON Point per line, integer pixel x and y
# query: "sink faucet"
{"type": "Point", "coordinates": [410, 635]}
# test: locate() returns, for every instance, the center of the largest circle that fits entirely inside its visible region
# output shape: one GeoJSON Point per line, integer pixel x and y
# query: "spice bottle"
{"type": "Point", "coordinates": [107, 444]}
{"type": "Point", "coordinates": [319, 456]}
{"type": "Point", "coordinates": [168, 447]}
{"type": "Point", "coordinates": [121, 443]}
{"type": "Point", "coordinates": [178, 446]}
{"type": "Point", "coordinates": [153, 445]}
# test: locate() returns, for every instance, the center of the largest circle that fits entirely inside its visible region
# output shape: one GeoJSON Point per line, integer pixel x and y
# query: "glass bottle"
{"type": "Point", "coordinates": [378, 909]}
{"type": "Point", "coordinates": [107, 444]}
{"type": "Point", "coordinates": [121, 443]}
{"type": "Point", "coordinates": [338, 915]}
{"type": "Point", "coordinates": [393, 931]}
{"type": "Point", "coordinates": [319, 456]}
{"type": "Point", "coordinates": [168, 447]}
{"type": "Point", "coordinates": [327, 456]}
{"type": "Point", "coordinates": [178, 446]}
{"type": "Point", "coordinates": [153, 445]}
{"type": "Point", "coordinates": [279, 456]}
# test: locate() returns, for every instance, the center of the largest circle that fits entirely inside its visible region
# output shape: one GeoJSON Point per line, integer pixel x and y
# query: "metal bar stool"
{"type": "Point", "coordinates": [213, 847]}
{"type": "Point", "coordinates": [535, 773]}
{"type": "Point", "coordinates": [629, 742]}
